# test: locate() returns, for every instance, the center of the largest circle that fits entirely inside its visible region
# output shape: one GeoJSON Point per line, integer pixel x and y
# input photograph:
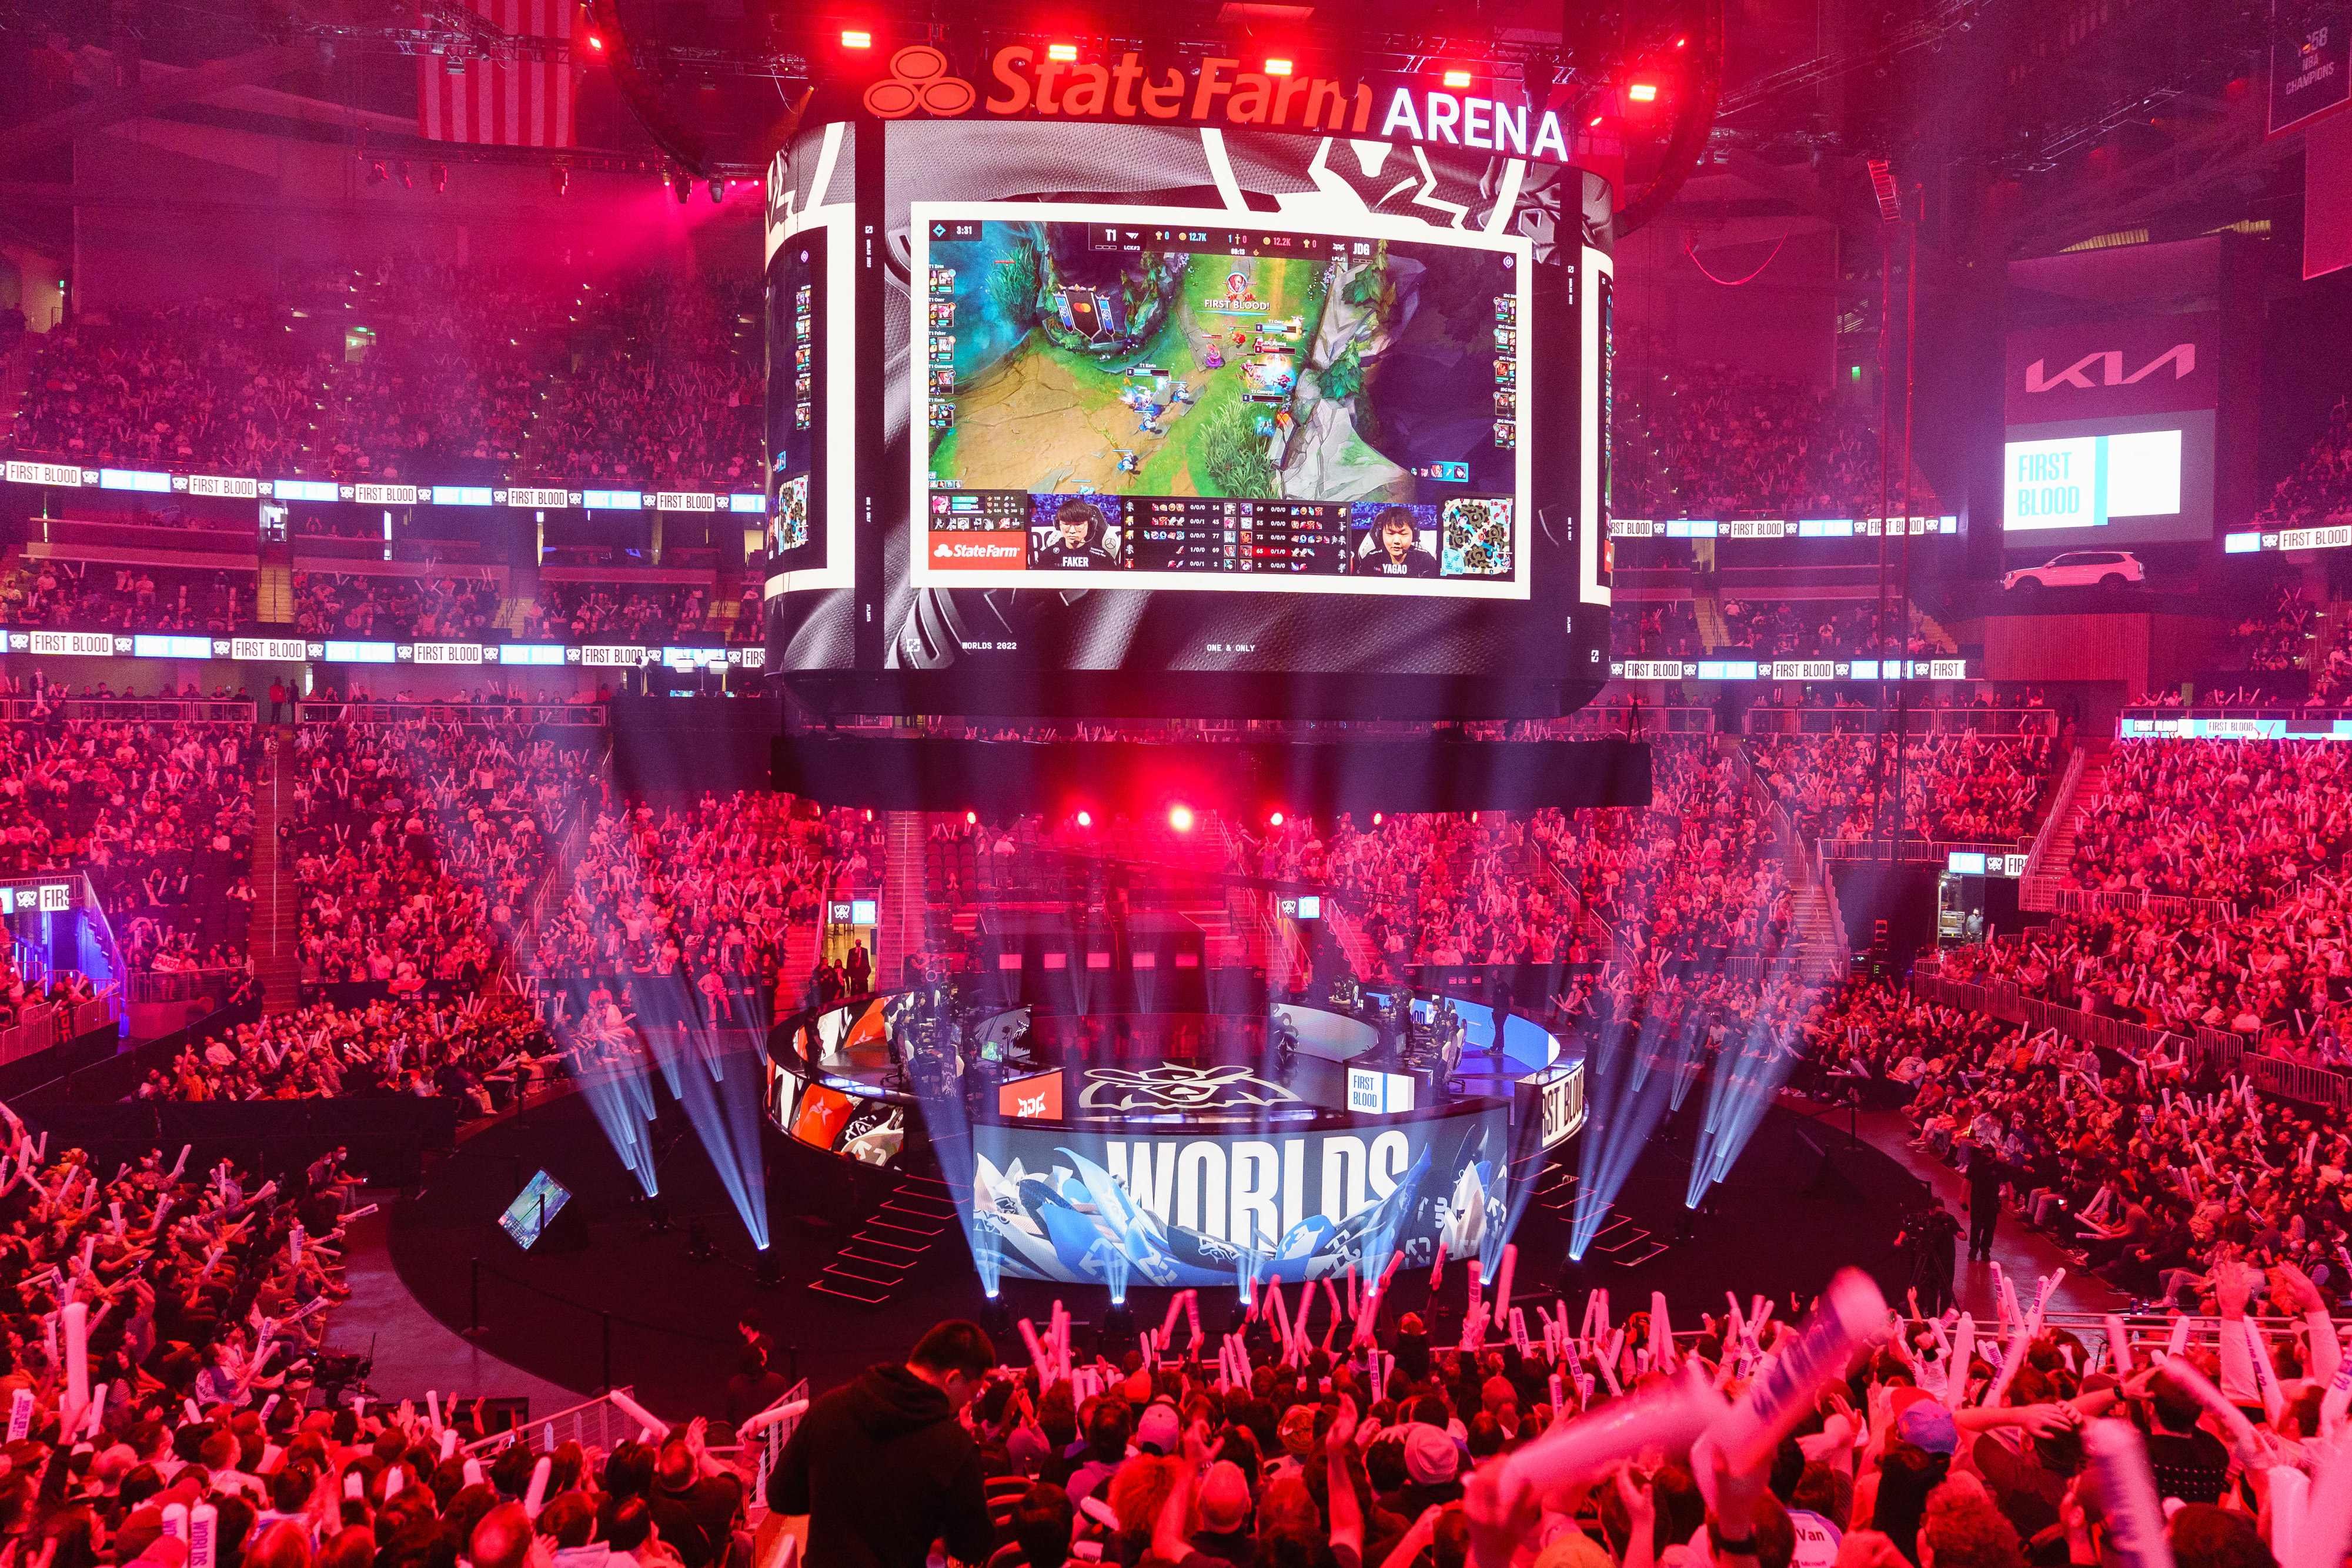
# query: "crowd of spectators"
{"type": "Point", "coordinates": [1966, 786]}
{"type": "Point", "coordinates": [418, 370]}
{"type": "Point", "coordinates": [1820, 628]}
{"type": "Point", "coordinates": [2320, 488]}
{"type": "Point", "coordinates": [417, 843]}
{"type": "Point", "coordinates": [1708, 441]}
{"type": "Point", "coordinates": [482, 1050]}
{"type": "Point", "coordinates": [159, 812]}
{"type": "Point", "coordinates": [1655, 628]}
{"type": "Point", "coordinates": [217, 386]}
{"type": "Point", "coordinates": [355, 604]}
{"type": "Point", "coordinates": [2156, 1174]}
{"type": "Point", "coordinates": [707, 893]}
{"type": "Point", "coordinates": [583, 611]}
{"type": "Point", "coordinates": [98, 596]}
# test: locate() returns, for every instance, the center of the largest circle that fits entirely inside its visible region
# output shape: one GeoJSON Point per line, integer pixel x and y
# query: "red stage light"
{"type": "Point", "coordinates": [1643, 92]}
{"type": "Point", "coordinates": [1085, 819]}
{"type": "Point", "coordinates": [1064, 52]}
{"type": "Point", "coordinates": [1680, 41]}
{"type": "Point", "coordinates": [1458, 79]}
{"type": "Point", "coordinates": [1376, 818]}
{"type": "Point", "coordinates": [595, 43]}
{"type": "Point", "coordinates": [1180, 818]}
{"type": "Point", "coordinates": [972, 819]}
{"type": "Point", "coordinates": [1596, 120]}
{"type": "Point", "coordinates": [1274, 820]}
{"type": "Point", "coordinates": [856, 38]}
{"type": "Point", "coordinates": [1278, 66]}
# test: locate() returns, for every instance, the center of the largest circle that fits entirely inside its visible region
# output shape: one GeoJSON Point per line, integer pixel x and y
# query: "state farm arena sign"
{"type": "Point", "coordinates": [1021, 84]}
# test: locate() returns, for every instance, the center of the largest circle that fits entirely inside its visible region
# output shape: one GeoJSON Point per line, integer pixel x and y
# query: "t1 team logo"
{"type": "Point", "coordinates": [919, 79]}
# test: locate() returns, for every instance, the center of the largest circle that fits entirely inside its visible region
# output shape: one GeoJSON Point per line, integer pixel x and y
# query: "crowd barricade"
{"type": "Point", "coordinates": [2299, 1080]}
{"type": "Point", "coordinates": [182, 984]}
{"type": "Point", "coordinates": [1916, 720]}
{"type": "Point", "coordinates": [1635, 719]}
{"type": "Point", "coordinates": [2087, 901]}
{"type": "Point", "coordinates": [358, 711]}
{"type": "Point", "coordinates": [36, 1031]}
{"type": "Point", "coordinates": [1934, 852]}
{"type": "Point", "coordinates": [159, 710]}
{"type": "Point", "coordinates": [2273, 1075]}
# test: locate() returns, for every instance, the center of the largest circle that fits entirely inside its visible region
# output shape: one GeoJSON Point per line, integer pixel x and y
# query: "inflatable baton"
{"type": "Point", "coordinates": [1503, 1280]}
{"type": "Point", "coordinates": [639, 1414]}
{"type": "Point", "coordinates": [2119, 1344]}
{"type": "Point", "coordinates": [2126, 1491]}
{"type": "Point", "coordinates": [76, 1317]}
{"type": "Point", "coordinates": [1572, 1452]}
{"type": "Point", "coordinates": [1851, 1310]}
{"type": "Point", "coordinates": [1036, 1355]}
{"type": "Point", "coordinates": [2327, 1522]}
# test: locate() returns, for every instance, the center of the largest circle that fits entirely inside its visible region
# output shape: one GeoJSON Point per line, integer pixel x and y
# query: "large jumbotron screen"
{"type": "Point", "coordinates": [1153, 402]}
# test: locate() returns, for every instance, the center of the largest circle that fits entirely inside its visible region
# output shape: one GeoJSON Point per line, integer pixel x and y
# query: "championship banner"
{"type": "Point", "coordinates": [1062, 1202]}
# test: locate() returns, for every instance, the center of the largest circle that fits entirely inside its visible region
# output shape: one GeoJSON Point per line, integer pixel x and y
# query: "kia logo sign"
{"type": "Point", "coordinates": [2097, 369]}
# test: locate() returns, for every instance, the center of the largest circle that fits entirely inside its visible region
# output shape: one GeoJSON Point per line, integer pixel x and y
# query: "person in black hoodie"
{"type": "Point", "coordinates": [880, 1468]}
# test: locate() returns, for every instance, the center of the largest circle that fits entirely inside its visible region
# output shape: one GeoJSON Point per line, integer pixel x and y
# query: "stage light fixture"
{"type": "Point", "coordinates": [375, 172]}
{"type": "Point", "coordinates": [717, 189]}
{"type": "Point", "coordinates": [856, 38]}
{"type": "Point", "coordinates": [1180, 818]}
{"type": "Point", "coordinates": [1085, 819]}
{"type": "Point", "coordinates": [1458, 79]}
{"type": "Point", "coordinates": [1278, 66]}
{"type": "Point", "coordinates": [440, 178]}
{"type": "Point", "coordinates": [1376, 818]}
{"type": "Point", "coordinates": [595, 44]}
{"type": "Point", "coordinates": [1643, 92]}
{"type": "Point", "coordinates": [1274, 818]}
{"type": "Point", "coordinates": [559, 178]}
{"type": "Point", "coordinates": [408, 180]}
{"type": "Point", "coordinates": [682, 186]}
{"type": "Point", "coordinates": [972, 819]}
{"type": "Point", "coordinates": [1063, 52]}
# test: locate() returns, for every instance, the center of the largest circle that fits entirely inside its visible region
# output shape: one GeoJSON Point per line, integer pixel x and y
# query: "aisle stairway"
{"type": "Point", "coordinates": [276, 900]}
{"type": "Point", "coordinates": [905, 900]}
{"type": "Point", "coordinates": [2041, 889]}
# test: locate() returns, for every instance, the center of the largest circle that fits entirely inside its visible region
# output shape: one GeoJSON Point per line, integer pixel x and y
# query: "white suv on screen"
{"type": "Point", "coordinates": [2080, 569]}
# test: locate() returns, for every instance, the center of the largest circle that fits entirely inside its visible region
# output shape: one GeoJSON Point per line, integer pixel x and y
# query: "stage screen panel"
{"type": "Point", "coordinates": [1183, 1209]}
{"type": "Point", "coordinates": [1143, 400]}
{"type": "Point", "coordinates": [1137, 399]}
{"type": "Point", "coordinates": [2145, 480]}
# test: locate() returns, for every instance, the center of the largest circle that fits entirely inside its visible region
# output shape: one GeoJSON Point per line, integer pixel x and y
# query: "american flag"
{"type": "Point", "coordinates": [524, 100]}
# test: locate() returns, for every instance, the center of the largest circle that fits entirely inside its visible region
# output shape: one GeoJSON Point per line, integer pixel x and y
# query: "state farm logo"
{"type": "Point", "coordinates": [919, 79]}
{"type": "Point", "coordinates": [1000, 550]}
{"type": "Point", "coordinates": [2108, 367]}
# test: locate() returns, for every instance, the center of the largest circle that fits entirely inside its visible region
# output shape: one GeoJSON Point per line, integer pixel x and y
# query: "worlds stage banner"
{"type": "Point", "coordinates": [1066, 1204]}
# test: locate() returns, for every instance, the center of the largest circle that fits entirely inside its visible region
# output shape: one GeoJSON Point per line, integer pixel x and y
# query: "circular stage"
{"type": "Point", "coordinates": [870, 1248]}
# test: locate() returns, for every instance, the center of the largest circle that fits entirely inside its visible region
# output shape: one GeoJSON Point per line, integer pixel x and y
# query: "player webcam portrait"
{"type": "Point", "coordinates": [1394, 544]}
{"type": "Point", "coordinates": [1072, 534]}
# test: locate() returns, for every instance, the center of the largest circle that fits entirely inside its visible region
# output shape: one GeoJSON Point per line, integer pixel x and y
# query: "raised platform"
{"type": "Point", "coordinates": [634, 1305]}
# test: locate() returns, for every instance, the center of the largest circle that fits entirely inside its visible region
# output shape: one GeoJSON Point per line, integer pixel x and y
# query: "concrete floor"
{"type": "Point", "coordinates": [414, 1351]}
{"type": "Point", "coordinates": [2023, 1255]}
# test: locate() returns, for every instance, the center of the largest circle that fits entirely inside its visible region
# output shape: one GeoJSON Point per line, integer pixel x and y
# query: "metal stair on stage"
{"type": "Point", "coordinates": [883, 1251]}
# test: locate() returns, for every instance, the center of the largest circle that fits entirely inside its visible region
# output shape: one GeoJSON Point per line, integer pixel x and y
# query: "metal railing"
{"type": "Point", "coordinates": [2061, 802]}
{"type": "Point", "coordinates": [1917, 720]}
{"type": "Point", "coordinates": [595, 1423]}
{"type": "Point", "coordinates": [590, 716]}
{"type": "Point", "coordinates": [2275, 1076]}
{"type": "Point", "coordinates": [171, 710]}
{"type": "Point", "coordinates": [1935, 851]}
{"type": "Point", "coordinates": [181, 984]}
{"type": "Point", "coordinates": [49, 1024]}
{"type": "Point", "coordinates": [1636, 720]}
{"type": "Point", "coordinates": [2090, 901]}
